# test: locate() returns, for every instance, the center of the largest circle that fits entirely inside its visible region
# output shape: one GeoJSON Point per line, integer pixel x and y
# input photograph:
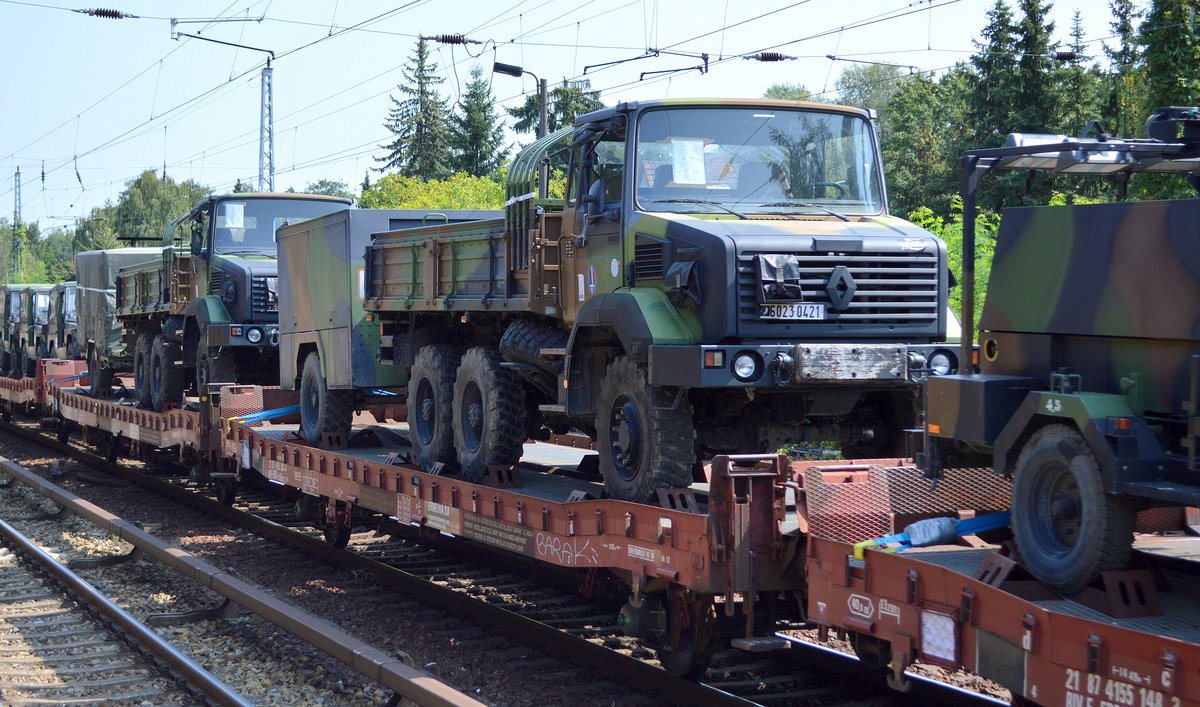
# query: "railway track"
{"type": "Point", "coordinates": [62, 642]}
{"type": "Point", "coordinates": [451, 583]}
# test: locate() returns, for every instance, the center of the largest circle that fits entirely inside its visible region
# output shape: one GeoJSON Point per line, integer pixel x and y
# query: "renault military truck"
{"type": "Point", "coordinates": [62, 332]}
{"type": "Point", "coordinates": [98, 330]}
{"type": "Point", "coordinates": [208, 310]}
{"type": "Point", "coordinates": [30, 332]}
{"type": "Point", "coordinates": [722, 276]}
{"type": "Point", "coordinates": [1089, 383]}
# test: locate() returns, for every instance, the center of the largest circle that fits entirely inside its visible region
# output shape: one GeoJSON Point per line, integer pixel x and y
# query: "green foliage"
{"type": "Point", "coordinates": [564, 102]}
{"type": "Point", "coordinates": [790, 92]}
{"type": "Point", "coordinates": [460, 191]}
{"type": "Point", "coordinates": [871, 86]}
{"type": "Point", "coordinates": [242, 187]}
{"type": "Point", "coordinates": [1171, 76]}
{"type": "Point", "coordinates": [329, 187]}
{"type": "Point", "coordinates": [148, 204]}
{"type": "Point", "coordinates": [950, 229]}
{"type": "Point", "coordinates": [420, 123]}
{"type": "Point", "coordinates": [477, 138]}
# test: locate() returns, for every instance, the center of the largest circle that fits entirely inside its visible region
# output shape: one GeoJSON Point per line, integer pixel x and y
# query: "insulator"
{"type": "Point", "coordinates": [110, 14]}
{"type": "Point", "coordinates": [1064, 56]}
{"type": "Point", "coordinates": [450, 39]}
{"type": "Point", "coordinates": [769, 56]}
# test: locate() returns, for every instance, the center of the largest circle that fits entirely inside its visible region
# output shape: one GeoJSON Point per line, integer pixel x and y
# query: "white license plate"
{"type": "Point", "coordinates": [791, 311]}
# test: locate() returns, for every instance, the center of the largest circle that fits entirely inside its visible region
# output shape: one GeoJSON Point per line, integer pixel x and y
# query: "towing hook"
{"type": "Point", "coordinates": [782, 367]}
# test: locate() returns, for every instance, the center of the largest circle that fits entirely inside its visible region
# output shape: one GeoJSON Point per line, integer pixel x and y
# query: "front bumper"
{"type": "Point", "coordinates": [784, 365]}
{"type": "Point", "coordinates": [241, 335]}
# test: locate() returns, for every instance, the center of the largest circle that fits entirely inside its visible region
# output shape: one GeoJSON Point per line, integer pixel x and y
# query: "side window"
{"type": "Point", "coordinates": [572, 179]}
{"type": "Point", "coordinates": [610, 166]}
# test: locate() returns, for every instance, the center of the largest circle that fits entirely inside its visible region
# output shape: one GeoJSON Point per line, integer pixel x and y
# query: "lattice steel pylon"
{"type": "Point", "coordinates": [266, 135]}
{"type": "Point", "coordinates": [16, 226]}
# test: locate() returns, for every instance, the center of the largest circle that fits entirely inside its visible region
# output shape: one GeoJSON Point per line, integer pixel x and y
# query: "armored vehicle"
{"type": "Point", "coordinates": [721, 276]}
{"type": "Point", "coordinates": [208, 309]}
{"type": "Point", "coordinates": [99, 331]}
{"type": "Point", "coordinates": [1089, 380]}
{"type": "Point", "coordinates": [62, 332]}
{"type": "Point", "coordinates": [328, 347]}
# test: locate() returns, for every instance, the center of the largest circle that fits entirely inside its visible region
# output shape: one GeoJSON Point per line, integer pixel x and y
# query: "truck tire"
{"type": "Point", "coordinates": [489, 413]}
{"type": "Point", "coordinates": [323, 411]}
{"type": "Point", "coordinates": [1067, 528]}
{"type": "Point", "coordinates": [142, 352]}
{"type": "Point", "coordinates": [430, 405]}
{"type": "Point", "coordinates": [642, 448]}
{"type": "Point", "coordinates": [99, 376]}
{"type": "Point", "coordinates": [43, 350]}
{"type": "Point", "coordinates": [28, 363]}
{"type": "Point", "coordinates": [524, 338]}
{"type": "Point", "coordinates": [166, 379]}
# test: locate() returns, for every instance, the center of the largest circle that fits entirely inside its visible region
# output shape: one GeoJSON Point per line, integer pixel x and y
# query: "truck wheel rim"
{"type": "Point", "coordinates": [1059, 510]}
{"type": "Point", "coordinates": [427, 406]}
{"type": "Point", "coordinates": [472, 415]}
{"type": "Point", "coordinates": [625, 437]}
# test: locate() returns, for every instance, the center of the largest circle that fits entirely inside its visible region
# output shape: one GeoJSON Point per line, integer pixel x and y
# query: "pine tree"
{"type": "Point", "coordinates": [478, 135]}
{"type": "Point", "coordinates": [993, 84]}
{"type": "Point", "coordinates": [420, 122]}
{"type": "Point", "coordinates": [1172, 55]}
{"type": "Point", "coordinates": [1082, 86]}
{"type": "Point", "coordinates": [1125, 98]}
{"type": "Point", "coordinates": [1036, 81]}
{"type": "Point", "coordinates": [566, 101]}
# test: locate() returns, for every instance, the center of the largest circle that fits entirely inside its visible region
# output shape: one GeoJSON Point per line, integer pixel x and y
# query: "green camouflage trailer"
{"type": "Point", "coordinates": [63, 330]}
{"type": "Point", "coordinates": [321, 317]}
{"type": "Point", "coordinates": [722, 276]}
{"type": "Point", "coordinates": [99, 331]}
{"type": "Point", "coordinates": [1089, 348]}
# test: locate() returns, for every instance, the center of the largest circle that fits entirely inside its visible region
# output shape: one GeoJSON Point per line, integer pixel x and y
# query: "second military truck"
{"type": "Point", "coordinates": [208, 310]}
{"type": "Point", "coordinates": [721, 276]}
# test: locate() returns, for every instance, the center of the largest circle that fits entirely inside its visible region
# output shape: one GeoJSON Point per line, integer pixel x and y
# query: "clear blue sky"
{"type": "Point", "coordinates": [99, 100]}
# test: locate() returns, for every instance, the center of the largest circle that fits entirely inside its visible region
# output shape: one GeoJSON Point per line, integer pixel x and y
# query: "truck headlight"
{"type": "Point", "coordinates": [747, 366]}
{"type": "Point", "coordinates": [942, 363]}
{"type": "Point", "coordinates": [229, 292]}
{"type": "Point", "coordinates": [254, 335]}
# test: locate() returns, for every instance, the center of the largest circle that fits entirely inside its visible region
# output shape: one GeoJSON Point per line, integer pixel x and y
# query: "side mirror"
{"type": "Point", "coordinates": [595, 198]}
{"type": "Point", "coordinates": [197, 239]}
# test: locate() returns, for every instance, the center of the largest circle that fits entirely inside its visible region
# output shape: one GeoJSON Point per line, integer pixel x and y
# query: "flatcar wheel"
{"type": "Point", "coordinates": [1067, 528]}
{"type": "Point", "coordinates": [686, 649]}
{"type": "Point", "coordinates": [337, 525]}
{"type": "Point", "coordinates": [112, 448]}
{"type": "Point", "coordinates": [305, 508]}
{"type": "Point", "coordinates": [226, 489]}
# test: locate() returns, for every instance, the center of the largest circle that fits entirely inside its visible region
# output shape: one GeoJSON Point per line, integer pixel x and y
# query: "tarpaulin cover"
{"type": "Point", "coordinates": [96, 272]}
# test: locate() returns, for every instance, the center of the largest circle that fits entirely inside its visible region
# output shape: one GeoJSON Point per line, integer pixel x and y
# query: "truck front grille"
{"type": "Point", "coordinates": [263, 295]}
{"type": "Point", "coordinates": [892, 288]}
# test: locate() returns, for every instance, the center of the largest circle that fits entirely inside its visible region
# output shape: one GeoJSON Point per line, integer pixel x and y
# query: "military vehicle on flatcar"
{"type": "Point", "coordinates": [208, 309]}
{"type": "Point", "coordinates": [62, 332]}
{"type": "Point", "coordinates": [721, 276]}
{"type": "Point", "coordinates": [98, 330]}
{"type": "Point", "coordinates": [1089, 382]}
{"type": "Point", "coordinates": [28, 336]}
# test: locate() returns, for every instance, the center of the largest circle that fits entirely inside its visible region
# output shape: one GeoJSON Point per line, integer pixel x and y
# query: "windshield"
{"type": "Point", "coordinates": [69, 304]}
{"type": "Point", "coordinates": [250, 225]}
{"type": "Point", "coordinates": [756, 160]}
{"type": "Point", "coordinates": [41, 306]}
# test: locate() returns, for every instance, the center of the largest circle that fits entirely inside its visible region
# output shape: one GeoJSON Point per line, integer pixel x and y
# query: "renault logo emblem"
{"type": "Point", "coordinates": [840, 288]}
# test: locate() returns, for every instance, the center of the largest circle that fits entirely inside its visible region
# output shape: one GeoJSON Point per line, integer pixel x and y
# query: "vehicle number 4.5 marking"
{"type": "Point", "coordinates": [1053, 405]}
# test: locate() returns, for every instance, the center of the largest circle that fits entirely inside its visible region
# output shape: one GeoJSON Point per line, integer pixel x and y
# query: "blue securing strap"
{"type": "Point", "coordinates": [68, 378]}
{"type": "Point", "coordinates": [381, 391]}
{"type": "Point", "coordinates": [266, 414]}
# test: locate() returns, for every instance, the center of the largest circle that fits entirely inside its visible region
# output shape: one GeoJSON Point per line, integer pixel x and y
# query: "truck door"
{"type": "Point", "coordinates": [592, 253]}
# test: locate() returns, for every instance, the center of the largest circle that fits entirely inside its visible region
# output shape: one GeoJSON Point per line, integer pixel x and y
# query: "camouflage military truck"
{"type": "Point", "coordinates": [12, 315]}
{"type": "Point", "coordinates": [98, 330]}
{"type": "Point", "coordinates": [29, 335]}
{"type": "Point", "coordinates": [328, 347]}
{"type": "Point", "coordinates": [208, 309]}
{"type": "Point", "coordinates": [722, 276]}
{"type": "Point", "coordinates": [63, 330]}
{"type": "Point", "coordinates": [1090, 353]}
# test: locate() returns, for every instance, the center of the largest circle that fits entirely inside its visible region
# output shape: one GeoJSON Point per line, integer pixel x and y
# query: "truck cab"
{"type": "Point", "coordinates": [33, 319]}
{"type": "Point", "coordinates": [63, 330]}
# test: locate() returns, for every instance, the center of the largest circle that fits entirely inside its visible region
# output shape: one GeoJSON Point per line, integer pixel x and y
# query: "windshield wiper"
{"type": "Point", "coordinates": [701, 201]}
{"type": "Point", "coordinates": [247, 252]}
{"type": "Point", "coordinates": [807, 205]}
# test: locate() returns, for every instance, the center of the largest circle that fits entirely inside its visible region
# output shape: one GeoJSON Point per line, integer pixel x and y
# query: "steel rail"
{"type": "Point", "coordinates": [407, 681]}
{"type": "Point", "coordinates": [189, 670]}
